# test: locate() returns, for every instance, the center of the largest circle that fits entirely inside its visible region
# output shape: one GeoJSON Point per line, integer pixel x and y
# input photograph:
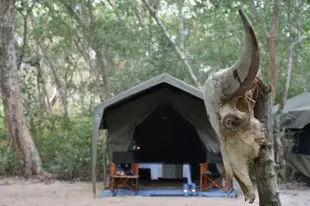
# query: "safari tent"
{"type": "Point", "coordinates": [167, 118]}
{"type": "Point", "coordinates": [296, 118]}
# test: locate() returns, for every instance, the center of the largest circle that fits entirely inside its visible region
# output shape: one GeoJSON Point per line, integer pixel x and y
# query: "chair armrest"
{"type": "Point", "coordinates": [135, 168]}
{"type": "Point", "coordinates": [112, 169]}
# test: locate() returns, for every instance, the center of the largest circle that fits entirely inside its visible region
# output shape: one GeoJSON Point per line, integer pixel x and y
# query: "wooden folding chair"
{"type": "Point", "coordinates": [124, 181]}
{"type": "Point", "coordinates": [210, 179]}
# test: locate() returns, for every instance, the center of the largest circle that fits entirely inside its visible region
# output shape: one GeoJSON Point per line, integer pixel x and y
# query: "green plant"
{"type": "Point", "coordinates": [65, 150]}
{"type": "Point", "coordinates": [68, 153]}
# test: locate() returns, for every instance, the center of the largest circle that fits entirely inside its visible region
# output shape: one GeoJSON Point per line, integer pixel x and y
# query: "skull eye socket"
{"type": "Point", "coordinates": [231, 122]}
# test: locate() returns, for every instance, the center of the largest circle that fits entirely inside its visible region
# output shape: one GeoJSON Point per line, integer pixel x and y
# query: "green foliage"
{"type": "Point", "coordinates": [8, 158]}
{"type": "Point", "coordinates": [66, 153]}
{"type": "Point", "coordinates": [9, 162]}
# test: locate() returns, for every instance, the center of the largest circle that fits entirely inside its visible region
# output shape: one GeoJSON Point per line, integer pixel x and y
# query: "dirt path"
{"type": "Point", "coordinates": [21, 193]}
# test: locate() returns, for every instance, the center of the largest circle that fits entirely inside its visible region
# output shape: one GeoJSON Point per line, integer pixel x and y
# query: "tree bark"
{"type": "Point", "coordinates": [272, 41]}
{"type": "Point", "coordinates": [181, 26]}
{"type": "Point", "coordinates": [10, 89]}
{"type": "Point", "coordinates": [46, 99]}
{"type": "Point", "coordinates": [266, 177]}
{"type": "Point", "coordinates": [25, 32]}
{"type": "Point", "coordinates": [271, 38]}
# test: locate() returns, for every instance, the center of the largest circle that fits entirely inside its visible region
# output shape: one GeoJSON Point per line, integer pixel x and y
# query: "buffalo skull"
{"type": "Point", "coordinates": [229, 97]}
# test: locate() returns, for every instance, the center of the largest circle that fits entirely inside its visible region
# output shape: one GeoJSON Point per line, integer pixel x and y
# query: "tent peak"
{"type": "Point", "coordinates": [157, 80]}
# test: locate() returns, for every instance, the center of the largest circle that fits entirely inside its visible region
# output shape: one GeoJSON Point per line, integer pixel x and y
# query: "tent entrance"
{"type": "Point", "coordinates": [165, 136]}
{"type": "Point", "coordinates": [302, 140]}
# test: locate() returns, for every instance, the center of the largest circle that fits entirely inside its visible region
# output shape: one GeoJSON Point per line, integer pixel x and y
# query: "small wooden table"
{"type": "Point", "coordinates": [128, 181]}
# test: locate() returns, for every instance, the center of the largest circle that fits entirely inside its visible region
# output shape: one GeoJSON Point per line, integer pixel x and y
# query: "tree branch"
{"type": "Point", "coordinates": [181, 26]}
{"type": "Point", "coordinates": [291, 46]}
{"type": "Point", "coordinates": [114, 8]}
{"type": "Point", "coordinates": [300, 39]}
{"type": "Point", "coordinates": [47, 101]}
{"type": "Point", "coordinates": [175, 46]}
{"type": "Point", "coordinates": [275, 22]}
{"type": "Point", "coordinates": [236, 38]}
{"type": "Point", "coordinates": [137, 13]}
{"type": "Point", "coordinates": [93, 40]}
{"type": "Point", "coordinates": [258, 19]}
{"type": "Point", "coordinates": [271, 38]}
{"type": "Point", "coordinates": [59, 82]}
{"type": "Point", "coordinates": [25, 32]}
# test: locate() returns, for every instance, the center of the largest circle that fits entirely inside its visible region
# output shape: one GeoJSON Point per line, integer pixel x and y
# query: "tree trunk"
{"type": "Point", "coordinates": [10, 88]}
{"type": "Point", "coordinates": [46, 97]}
{"type": "Point", "coordinates": [102, 68]}
{"type": "Point", "coordinates": [266, 177]}
{"type": "Point", "coordinates": [271, 38]}
{"type": "Point", "coordinates": [273, 70]}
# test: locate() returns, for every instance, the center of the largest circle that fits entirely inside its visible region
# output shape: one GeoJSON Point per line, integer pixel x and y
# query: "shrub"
{"type": "Point", "coordinates": [9, 162]}
{"type": "Point", "coordinates": [64, 152]}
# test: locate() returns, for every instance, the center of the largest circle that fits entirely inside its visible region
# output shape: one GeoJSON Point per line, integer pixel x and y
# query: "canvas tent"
{"type": "Point", "coordinates": [123, 114]}
{"type": "Point", "coordinates": [296, 112]}
{"type": "Point", "coordinates": [296, 117]}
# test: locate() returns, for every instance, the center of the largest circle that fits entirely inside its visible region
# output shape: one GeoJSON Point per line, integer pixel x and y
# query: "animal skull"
{"type": "Point", "coordinates": [229, 96]}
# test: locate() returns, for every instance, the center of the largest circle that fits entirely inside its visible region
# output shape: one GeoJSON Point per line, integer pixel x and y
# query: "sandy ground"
{"type": "Point", "coordinates": [23, 193]}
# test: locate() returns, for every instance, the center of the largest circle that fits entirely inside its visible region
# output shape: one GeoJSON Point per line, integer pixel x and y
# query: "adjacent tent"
{"type": "Point", "coordinates": [296, 117]}
{"type": "Point", "coordinates": [296, 112]}
{"type": "Point", "coordinates": [134, 112]}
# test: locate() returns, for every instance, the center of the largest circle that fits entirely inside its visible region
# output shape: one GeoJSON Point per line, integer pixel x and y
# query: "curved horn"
{"type": "Point", "coordinates": [241, 75]}
{"type": "Point", "coordinates": [246, 68]}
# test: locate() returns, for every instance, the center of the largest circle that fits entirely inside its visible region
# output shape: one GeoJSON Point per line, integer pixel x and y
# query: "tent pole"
{"type": "Point", "coordinates": [104, 157]}
{"type": "Point", "coordinates": [94, 158]}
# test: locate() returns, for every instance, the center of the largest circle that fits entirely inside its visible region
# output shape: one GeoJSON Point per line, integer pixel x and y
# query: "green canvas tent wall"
{"type": "Point", "coordinates": [296, 117]}
{"type": "Point", "coordinates": [296, 111]}
{"type": "Point", "coordinates": [122, 113]}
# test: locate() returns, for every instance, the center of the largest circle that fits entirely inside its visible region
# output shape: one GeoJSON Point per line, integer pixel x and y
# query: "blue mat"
{"type": "Point", "coordinates": [167, 192]}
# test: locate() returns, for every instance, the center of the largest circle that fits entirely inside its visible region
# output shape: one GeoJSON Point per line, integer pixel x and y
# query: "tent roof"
{"type": "Point", "coordinates": [162, 78]}
{"type": "Point", "coordinates": [297, 103]}
{"type": "Point", "coordinates": [155, 81]}
{"type": "Point", "coordinates": [296, 112]}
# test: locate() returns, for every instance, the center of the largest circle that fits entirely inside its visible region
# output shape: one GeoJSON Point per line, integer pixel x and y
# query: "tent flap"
{"type": "Point", "coordinates": [299, 162]}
